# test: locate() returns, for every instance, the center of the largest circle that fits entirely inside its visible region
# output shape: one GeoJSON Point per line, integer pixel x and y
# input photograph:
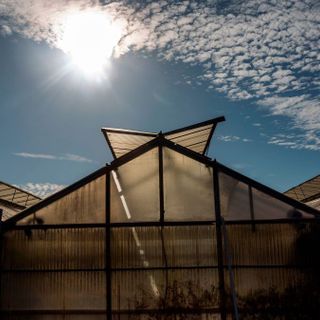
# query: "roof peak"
{"type": "Point", "coordinates": [196, 137]}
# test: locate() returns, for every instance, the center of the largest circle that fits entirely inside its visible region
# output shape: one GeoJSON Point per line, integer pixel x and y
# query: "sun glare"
{"type": "Point", "coordinates": [89, 38]}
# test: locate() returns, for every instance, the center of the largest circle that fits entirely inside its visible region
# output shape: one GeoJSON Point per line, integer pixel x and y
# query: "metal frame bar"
{"type": "Point", "coordinates": [108, 262]}
{"type": "Point", "coordinates": [16, 188]}
{"type": "Point", "coordinates": [161, 189]}
{"type": "Point", "coordinates": [78, 184]}
{"type": "Point", "coordinates": [251, 208]}
{"type": "Point", "coordinates": [213, 121]}
{"type": "Point", "coordinates": [114, 312]}
{"type": "Point", "coordinates": [206, 148]}
{"type": "Point", "coordinates": [219, 239]}
{"type": "Point", "coordinates": [197, 125]}
{"type": "Point", "coordinates": [164, 268]}
{"type": "Point", "coordinates": [275, 194]}
{"type": "Point", "coordinates": [159, 141]}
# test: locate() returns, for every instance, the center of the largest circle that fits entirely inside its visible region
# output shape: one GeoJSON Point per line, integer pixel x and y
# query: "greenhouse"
{"type": "Point", "coordinates": [14, 200]}
{"type": "Point", "coordinates": [162, 232]}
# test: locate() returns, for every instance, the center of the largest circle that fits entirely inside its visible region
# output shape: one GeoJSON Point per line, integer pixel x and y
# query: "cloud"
{"type": "Point", "coordinates": [257, 50]}
{"type": "Point", "coordinates": [67, 156]}
{"type": "Point", "coordinates": [41, 190]}
{"type": "Point", "coordinates": [233, 139]}
{"type": "Point", "coordinates": [5, 30]}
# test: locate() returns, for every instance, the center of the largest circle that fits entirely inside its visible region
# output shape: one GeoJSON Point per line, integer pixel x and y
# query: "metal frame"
{"type": "Point", "coordinates": [212, 122]}
{"type": "Point", "coordinates": [158, 142]}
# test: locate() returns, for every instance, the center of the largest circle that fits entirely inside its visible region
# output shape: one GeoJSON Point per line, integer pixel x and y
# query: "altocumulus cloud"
{"type": "Point", "coordinates": [264, 51]}
{"type": "Point", "coordinates": [67, 156]}
{"type": "Point", "coordinates": [42, 190]}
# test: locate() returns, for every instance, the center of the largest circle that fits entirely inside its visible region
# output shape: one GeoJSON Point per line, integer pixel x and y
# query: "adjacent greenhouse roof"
{"type": "Point", "coordinates": [17, 196]}
{"type": "Point", "coordinates": [14, 199]}
{"type": "Point", "coordinates": [306, 191]}
{"type": "Point", "coordinates": [196, 137]}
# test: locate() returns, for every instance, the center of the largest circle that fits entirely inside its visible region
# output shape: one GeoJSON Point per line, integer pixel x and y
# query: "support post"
{"type": "Point", "coordinates": [1, 257]}
{"type": "Point", "coordinates": [222, 291]}
{"type": "Point", "coordinates": [108, 251]}
{"type": "Point", "coordinates": [253, 226]}
{"type": "Point", "coordinates": [161, 192]}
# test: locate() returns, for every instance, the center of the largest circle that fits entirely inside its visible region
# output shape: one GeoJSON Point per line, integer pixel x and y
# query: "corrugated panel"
{"type": "Point", "coordinates": [251, 280]}
{"type": "Point", "coordinates": [148, 289]}
{"type": "Point", "coordinates": [54, 249]}
{"type": "Point", "coordinates": [305, 190]}
{"type": "Point", "coordinates": [14, 199]}
{"type": "Point", "coordinates": [188, 188]}
{"type": "Point", "coordinates": [124, 141]}
{"type": "Point", "coordinates": [135, 189]}
{"type": "Point", "coordinates": [83, 205]}
{"type": "Point", "coordinates": [187, 246]}
{"type": "Point", "coordinates": [194, 139]}
{"type": "Point", "coordinates": [238, 204]}
{"type": "Point", "coordinates": [53, 290]}
{"type": "Point", "coordinates": [268, 244]}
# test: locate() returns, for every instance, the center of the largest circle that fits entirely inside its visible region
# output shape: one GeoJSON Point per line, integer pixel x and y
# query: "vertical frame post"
{"type": "Point", "coordinates": [108, 250]}
{"type": "Point", "coordinates": [222, 291]}
{"type": "Point", "coordinates": [1, 257]}
{"type": "Point", "coordinates": [253, 226]}
{"type": "Point", "coordinates": [161, 191]}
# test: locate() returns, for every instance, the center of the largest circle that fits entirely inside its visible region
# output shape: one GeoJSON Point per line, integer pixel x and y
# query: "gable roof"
{"type": "Point", "coordinates": [306, 191]}
{"type": "Point", "coordinates": [159, 140]}
{"type": "Point", "coordinates": [15, 198]}
{"type": "Point", "coordinates": [196, 137]}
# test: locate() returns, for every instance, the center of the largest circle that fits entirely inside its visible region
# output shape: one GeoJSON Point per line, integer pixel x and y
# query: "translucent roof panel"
{"type": "Point", "coordinates": [188, 188]}
{"type": "Point", "coordinates": [135, 189]}
{"type": "Point", "coordinates": [84, 204]}
{"type": "Point", "coordinates": [124, 141]}
{"type": "Point", "coordinates": [196, 137]}
{"type": "Point", "coordinates": [305, 191]}
{"type": "Point", "coordinates": [14, 199]}
{"type": "Point", "coordinates": [16, 195]}
{"type": "Point", "coordinates": [242, 201]}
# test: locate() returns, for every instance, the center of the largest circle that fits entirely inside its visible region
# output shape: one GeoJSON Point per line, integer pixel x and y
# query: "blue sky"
{"type": "Point", "coordinates": [255, 62]}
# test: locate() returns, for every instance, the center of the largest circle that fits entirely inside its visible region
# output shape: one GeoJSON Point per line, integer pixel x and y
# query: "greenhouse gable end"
{"type": "Point", "coordinates": [162, 232]}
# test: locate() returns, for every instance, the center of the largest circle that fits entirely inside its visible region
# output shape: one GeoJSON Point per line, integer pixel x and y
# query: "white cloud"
{"type": "Point", "coordinates": [5, 30]}
{"type": "Point", "coordinates": [67, 156]}
{"type": "Point", "coordinates": [233, 139]}
{"type": "Point", "coordinates": [41, 190]}
{"type": "Point", "coordinates": [249, 49]}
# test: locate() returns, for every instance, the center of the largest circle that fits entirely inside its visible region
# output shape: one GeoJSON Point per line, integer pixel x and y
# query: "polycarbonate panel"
{"type": "Point", "coordinates": [83, 205]}
{"type": "Point", "coordinates": [136, 247]}
{"type": "Point", "coordinates": [268, 244]}
{"type": "Point", "coordinates": [149, 289]}
{"type": "Point", "coordinates": [17, 196]}
{"type": "Point", "coordinates": [123, 143]}
{"type": "Point", "coordinates": [8, 211]}
{"type": "Point", "coordinates": [190, 246]}
{"type": "Point", "coordinates": [187, 314]}
{"type": "Point", "coordinates": [268, 207]}
{"type": "Point", "coordinates": [250, 280]}
{"type": "Point", "coordinates": [53, 290]}
{"type": "Point", "coordinates": [135, 189]}
{"type": "Point", "coordinates": [234, 198]}
{"type": "Point", "coordinates": [48, 316]}
{"type": "Point", "coordinates": [188, 188]}
{"type": "Point", "coordinates": [193, 139]}
{"type": "Point", "coordinates": [159, 247]}
{"type": "Point", "coordinates": [54, 249]}
{"type": "Point", "coordinates": [305, 190]}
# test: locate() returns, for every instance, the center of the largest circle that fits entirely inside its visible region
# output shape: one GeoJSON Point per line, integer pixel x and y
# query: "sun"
{"type": "Point", "coordinates": [90, 37]}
